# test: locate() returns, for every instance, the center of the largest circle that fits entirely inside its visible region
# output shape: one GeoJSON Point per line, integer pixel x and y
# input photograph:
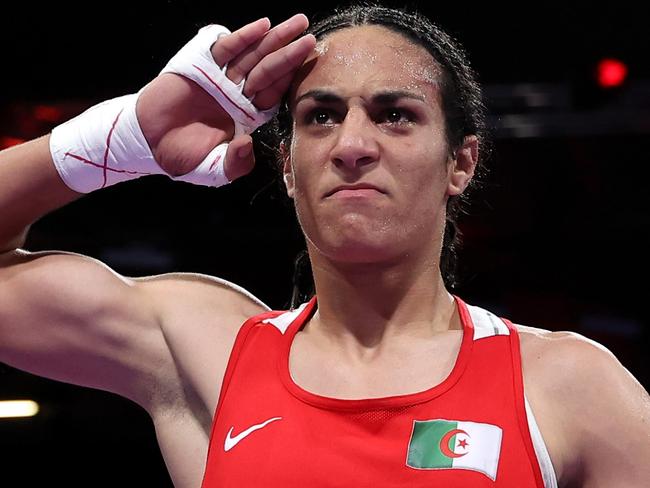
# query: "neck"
{"type": "Point", "coordinates": [362, 307]}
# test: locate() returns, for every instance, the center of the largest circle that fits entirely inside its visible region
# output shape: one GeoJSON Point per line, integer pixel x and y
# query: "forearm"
{"type": "Point", "coordinates": [30, 187]}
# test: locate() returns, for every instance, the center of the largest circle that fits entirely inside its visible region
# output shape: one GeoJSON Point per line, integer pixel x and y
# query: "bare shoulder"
{"type": "Point", "coordinates": [537, 335]}
{"type": "Point", "coordinates": [547, 345]}
{"type": "Point", "coordinates": [200, 316]}
{"type": "Point", "coordinates": [599, 411]}
{"type": "Point", "coordinates": [194, 307]}
{"type": "Point", "coordinates": [566, 349]}
{"type": "Point", "coordinates": [191, 293]}
{"type": "Point", "coordinates": [562, 361]}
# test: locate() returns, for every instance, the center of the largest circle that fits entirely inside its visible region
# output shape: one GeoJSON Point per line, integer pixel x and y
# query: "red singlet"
{"type": "Point", "coordinates": [471, 430]}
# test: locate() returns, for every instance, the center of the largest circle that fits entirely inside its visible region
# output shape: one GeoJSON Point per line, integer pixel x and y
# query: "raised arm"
{"type": "Point", "coordinates": [72, 318]}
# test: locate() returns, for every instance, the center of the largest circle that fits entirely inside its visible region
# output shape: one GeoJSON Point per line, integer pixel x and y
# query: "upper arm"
{"type": "Point", "coordinates": [606, 414]}
{"type": "Point", "coordinates": [71, 318]}
{"type": "Point", "coordinates": [200, 318]}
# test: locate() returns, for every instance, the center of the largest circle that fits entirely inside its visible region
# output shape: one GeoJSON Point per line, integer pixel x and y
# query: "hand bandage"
{"type": "Point", "coordinates": [195, 61]}
{"type": "Point", "coordinates": [105, 145]}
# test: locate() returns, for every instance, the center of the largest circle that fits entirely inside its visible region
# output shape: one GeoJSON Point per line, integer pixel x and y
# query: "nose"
{"type": "Point", "coordinates": [355, 143]}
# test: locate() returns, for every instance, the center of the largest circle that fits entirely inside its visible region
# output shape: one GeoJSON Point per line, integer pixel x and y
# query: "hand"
{"type": "Point", "coordinates": [183, 123]}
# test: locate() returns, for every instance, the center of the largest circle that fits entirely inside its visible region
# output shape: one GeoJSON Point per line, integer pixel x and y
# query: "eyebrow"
{"type": "Point", "coordinates": [383, 97]}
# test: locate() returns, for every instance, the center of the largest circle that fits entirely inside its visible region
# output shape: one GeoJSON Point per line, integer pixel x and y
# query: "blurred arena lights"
{"type": "Point", "coordinates": [611, 73]}
{"type": "Point", "coordinates": [8, 141]}
{"type": "Point", "coordinates": [18, 408]}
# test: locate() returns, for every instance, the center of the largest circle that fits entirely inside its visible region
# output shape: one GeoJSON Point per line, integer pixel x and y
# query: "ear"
{"type": "Point", "coordinates": [461, 168]}
{"type": "Point", "coordinates": [287, 170]}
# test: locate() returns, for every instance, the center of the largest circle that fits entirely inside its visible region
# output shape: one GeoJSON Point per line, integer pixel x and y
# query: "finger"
{"type": "Point", "coordinates": [273, 40]}
{"type": "Point", "coordinates": [230, 46]}
{"type": "Point", "coordinates": [271, 95]}
{"type": "Point", "coordinates": [240, 159]}
{"type": "Point", "coordinates": [278, 64]}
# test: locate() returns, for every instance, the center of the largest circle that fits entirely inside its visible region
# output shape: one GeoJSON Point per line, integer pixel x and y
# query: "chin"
{"type": "Point", "coordinates": [358, 256]}
{"type": "Point", "coordinates": [355, 238]}
{"type": "Point", "coordinates": [356, 251]}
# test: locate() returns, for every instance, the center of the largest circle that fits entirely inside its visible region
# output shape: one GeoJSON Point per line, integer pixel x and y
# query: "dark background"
{"type": "Point", "coordinates": [556, 238]}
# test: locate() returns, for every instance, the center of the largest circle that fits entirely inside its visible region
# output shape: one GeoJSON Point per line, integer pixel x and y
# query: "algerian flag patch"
{"type": "Point", "coordinates": [453, 444]}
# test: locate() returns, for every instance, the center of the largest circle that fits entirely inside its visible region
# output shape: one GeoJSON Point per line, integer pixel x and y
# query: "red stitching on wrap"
{"type": "Point", "coordinates": [108, 143]}
{"type": "Point", "coordinates": [215, 162]}
{"type": "Point", "coordinates": [104, 165]}
{"type": "Point", "coordinates": [223, 93]}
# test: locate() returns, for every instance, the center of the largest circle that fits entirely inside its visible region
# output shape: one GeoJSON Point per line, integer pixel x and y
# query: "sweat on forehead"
{"type": "Point", "coordinates": [372, 55]}
{"type": "Point", "coordinates": [370, 44]}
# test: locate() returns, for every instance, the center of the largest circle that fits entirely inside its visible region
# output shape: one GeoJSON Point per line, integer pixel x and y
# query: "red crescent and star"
{"type": "Point", "coordinates": [444, 443]}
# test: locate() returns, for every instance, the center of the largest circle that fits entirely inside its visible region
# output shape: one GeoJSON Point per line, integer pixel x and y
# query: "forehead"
{"type": "Point", "coordinates": [368, 58]}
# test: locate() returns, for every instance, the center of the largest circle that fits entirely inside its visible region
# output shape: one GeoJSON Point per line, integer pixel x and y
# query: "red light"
{"type": "Point", "coordinates": [47, 113]}
{"type": "Point", "coordinates": [611, 73]}
{"type": "Point", "coordinates": [8, 141]}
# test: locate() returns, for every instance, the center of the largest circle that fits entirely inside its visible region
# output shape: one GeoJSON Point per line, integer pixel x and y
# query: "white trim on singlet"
{"type": "Point", "coordinates": [543, 458]}
{"type": "Point", "coordinates": [282, 321]}
{"type": "Point", "coordinates": [486, 324]}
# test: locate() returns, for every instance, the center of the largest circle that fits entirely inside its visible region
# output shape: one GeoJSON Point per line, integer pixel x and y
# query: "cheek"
{"type": "Point", "coordinates": [308, 161]}
{"type": "Point", "coordinates": [422, 170]}
{"type": "Point", "coordinates": [303, 193]}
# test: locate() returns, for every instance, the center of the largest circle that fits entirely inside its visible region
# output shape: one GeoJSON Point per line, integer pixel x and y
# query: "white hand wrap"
{"type": "Point", "coordinates": [195, 61]}
{"type": "Point", "coordinates": [102, 146]}
{"type": "Point", "coordinates": [105, 145]}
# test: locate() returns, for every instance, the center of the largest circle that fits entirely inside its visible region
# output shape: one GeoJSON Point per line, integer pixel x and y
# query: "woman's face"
{"type": "Point", "coordinates": [368, 166]}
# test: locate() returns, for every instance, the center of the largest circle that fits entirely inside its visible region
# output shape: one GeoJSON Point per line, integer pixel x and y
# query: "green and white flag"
{"type": "Point", "coordinates": [453, 444]}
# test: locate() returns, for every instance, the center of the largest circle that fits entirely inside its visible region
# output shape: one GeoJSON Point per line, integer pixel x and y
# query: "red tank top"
{"type": "Point", "coordinates": [471, 430]}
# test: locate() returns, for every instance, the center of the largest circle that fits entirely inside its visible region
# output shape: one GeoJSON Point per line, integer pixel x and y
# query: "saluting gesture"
{"type": "Point", "coordinates": [182, 122]}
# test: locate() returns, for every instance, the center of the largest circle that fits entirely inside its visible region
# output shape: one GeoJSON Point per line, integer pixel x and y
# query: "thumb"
{"type": "Point", "coordinates": [240, 158]}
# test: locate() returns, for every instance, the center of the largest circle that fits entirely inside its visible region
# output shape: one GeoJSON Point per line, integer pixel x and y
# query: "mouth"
{"type": "Point", "coordinates": [356, 190]}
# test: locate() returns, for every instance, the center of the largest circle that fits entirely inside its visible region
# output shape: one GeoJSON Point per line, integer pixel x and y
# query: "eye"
{"type": "Point", "coordinates": [395, 115]}
{"type": "Point", "coordinates": [320, 116]}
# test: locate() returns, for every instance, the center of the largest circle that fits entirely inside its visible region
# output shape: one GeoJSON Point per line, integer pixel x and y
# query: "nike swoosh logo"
{"type": "Point", "coordinates": [231, 442]}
